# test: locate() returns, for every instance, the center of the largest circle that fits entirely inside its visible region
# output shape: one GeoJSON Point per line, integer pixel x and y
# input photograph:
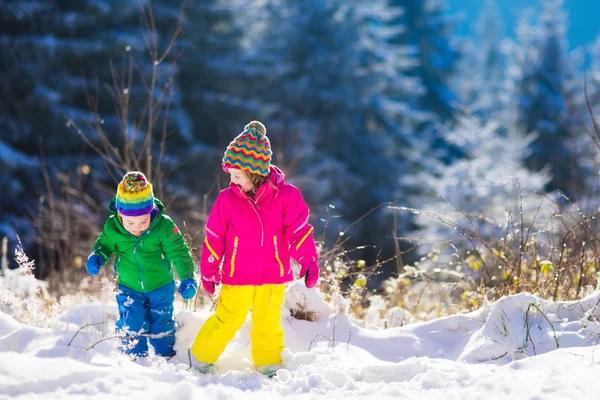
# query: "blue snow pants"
{"type": "Point", "coordinates": [147, 317]}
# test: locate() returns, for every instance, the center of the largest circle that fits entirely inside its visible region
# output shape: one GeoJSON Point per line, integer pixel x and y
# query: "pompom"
{"type": "Point", "coordinates": [134, 181]}
{"type": "Point", "coordinates": [258, 127]}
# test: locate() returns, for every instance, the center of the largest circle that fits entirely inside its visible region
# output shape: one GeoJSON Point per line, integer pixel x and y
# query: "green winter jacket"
{"type": "Point", "coordinates": [145, 263]}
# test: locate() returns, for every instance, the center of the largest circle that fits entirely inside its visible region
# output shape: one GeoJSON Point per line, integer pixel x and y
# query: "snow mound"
{"type": "Point", "coordinates": [520, 339]}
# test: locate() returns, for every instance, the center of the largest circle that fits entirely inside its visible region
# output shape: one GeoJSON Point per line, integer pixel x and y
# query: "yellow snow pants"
{"type": "Point", "coordinates": [232, 307]}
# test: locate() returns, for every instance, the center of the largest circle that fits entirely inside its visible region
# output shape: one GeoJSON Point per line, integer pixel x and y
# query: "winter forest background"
{"type": "Point", "coordinates": [438, 144]}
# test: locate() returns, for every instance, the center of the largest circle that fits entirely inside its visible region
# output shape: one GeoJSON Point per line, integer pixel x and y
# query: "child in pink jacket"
{"type": "Point", "coordinates": [255, 227]}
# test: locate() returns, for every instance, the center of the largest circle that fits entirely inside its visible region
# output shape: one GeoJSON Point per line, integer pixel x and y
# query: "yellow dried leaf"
{"type": "Point", "coordinates": [591, 268]}
{"type": "Point", "coordinates": [361, 280]}
{"type": "Point", "coordinates": [546, 266]}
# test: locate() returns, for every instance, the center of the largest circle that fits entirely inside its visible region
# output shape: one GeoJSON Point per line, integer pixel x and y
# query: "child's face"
{"type": "Point", "coordinates": [239, 178]}
{"type": "Point", "coordinates": [136, 225]}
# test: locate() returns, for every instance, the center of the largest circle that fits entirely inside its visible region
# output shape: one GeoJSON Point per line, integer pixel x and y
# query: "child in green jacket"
{"type": "Point", "coordinates": [147, 243]}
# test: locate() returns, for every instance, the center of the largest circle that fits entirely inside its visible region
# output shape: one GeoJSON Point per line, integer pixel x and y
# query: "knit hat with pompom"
{"type": "Point", "coordinates": [250, 151]}
{"type": "Point", "coordinates": [134, 195]}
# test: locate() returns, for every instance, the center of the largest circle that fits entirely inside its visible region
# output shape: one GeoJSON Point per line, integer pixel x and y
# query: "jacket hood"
{"type": "Point", "coordinates": [276, 176]}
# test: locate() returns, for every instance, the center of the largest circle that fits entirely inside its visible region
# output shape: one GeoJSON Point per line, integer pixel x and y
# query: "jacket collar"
{"type": "Point", "coordinates": [276, 177]}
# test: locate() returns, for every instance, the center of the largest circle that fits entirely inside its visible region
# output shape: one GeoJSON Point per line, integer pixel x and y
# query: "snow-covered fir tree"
{"type": "Point", "coordinates": [484, 193]}
{"type": "Point", "coordinates": [427, 32]}
{"type": "Point", "coordinates": [212, 72]}
{"type": "Point", "coordinates": [421, 31]}
{"type": "Point", "coordinates": [587, 142]}
{"type": "Point", "coordinates": [75, 69]}
{"type": "Point", "coordinates": [390, 139]}
{"type": "Point", "coordinates": [546, 91]}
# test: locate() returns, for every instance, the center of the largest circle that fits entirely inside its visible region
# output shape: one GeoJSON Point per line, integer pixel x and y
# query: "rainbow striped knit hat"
{"type": "Point", "coordinates": [134, 195]}
{"type": "Point", "coordinates": [250, 151]}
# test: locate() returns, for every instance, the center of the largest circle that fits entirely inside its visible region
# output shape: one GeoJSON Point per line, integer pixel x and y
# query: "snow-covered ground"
{"type": "Point", "coordinates": [502, 351]}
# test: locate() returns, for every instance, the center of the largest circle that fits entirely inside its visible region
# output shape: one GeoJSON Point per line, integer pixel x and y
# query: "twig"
{"type": "Point", "coordinates": [569, 232]}
{"type": "Point", "coordinates": [549, 323]}
{"type": "Point", "coordinates": [107, 338]}
{"type": "Point", "coordinates": [80, 329]}
{"type": "Point", "coordinates": [334, 326]}
{"type": "Point", "coordinates": [527, 333]}
{"type": "Point", "coordinates": [315, 338]}
{"type": "Point", "coordinates": [495, 358]}
{"type": "Point", "coordinates": [137, 335]}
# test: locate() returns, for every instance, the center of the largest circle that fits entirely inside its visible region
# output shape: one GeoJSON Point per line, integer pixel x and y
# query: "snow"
{"type": "Point", "coordinates": [504, 350]}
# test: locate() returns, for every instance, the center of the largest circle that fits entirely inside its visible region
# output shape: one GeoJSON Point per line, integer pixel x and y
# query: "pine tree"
{"type": "Point", "coordinates": [58, 55]}
{"type": "Point", "coordinates": [546, 86]}
{"type": "Point", "coordinates": [587, 142]}
{"type": "Point", "coordinates": [483, 193]}
{"type": "Point", "coordinates": [211, 73]}
{"type": "Point", "coordinates": [66, 68]}
{"type": "Point", "coordinates": [427, 30]}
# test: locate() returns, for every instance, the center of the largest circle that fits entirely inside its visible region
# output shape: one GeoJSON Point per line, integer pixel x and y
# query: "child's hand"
{"type": "Point", "coordinates": [188, 288]}
{"type": "Point", "coordinates": [94, 262]}
{"type": "Point", "coordinates": [310, 272]}
{"type": "Point", "coordinates": [209, 284]}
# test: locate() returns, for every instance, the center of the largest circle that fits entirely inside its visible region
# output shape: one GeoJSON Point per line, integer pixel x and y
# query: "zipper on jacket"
{"type": "Point", "coordinates": [235, 246]}
{"type": "Point", "coordinates": [262, 228]}
{"type": "Point", "coordinates": [277, 257]}
{"type": "Point", "coordinates": [136, 248]}
{"type": "Point", "coordinates": [136, 251]}
{"type": "Point", "coordinates": [258, 197]}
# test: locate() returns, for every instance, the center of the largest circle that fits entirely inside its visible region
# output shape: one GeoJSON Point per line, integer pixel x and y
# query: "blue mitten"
{"type": "Point", "coordinates": [94, 262]}
{"type": "Point", "coordinates": [188, 288]}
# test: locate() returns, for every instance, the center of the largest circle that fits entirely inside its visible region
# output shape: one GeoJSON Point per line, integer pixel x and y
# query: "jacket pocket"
{"type": "Point", "coordinates": [277, 256]}
{"type": "Point", "coordinates": [233, 254]}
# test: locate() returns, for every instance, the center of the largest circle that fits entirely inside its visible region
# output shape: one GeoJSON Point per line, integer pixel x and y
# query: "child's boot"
{"type": "Point", "coordinates": [202, 367]}
{"type": "Point", "coordinates": [269, 370]}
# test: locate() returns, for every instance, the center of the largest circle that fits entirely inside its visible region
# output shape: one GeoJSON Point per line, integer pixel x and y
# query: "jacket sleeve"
{"type": "Point", "coordinates": [213, 247]}
{"type": "Point", "coordinates": [176, 250]}
{"type": "Point", "coordinates": [298, 231]}
{"type": "Point", "coordinates": [104, 246]}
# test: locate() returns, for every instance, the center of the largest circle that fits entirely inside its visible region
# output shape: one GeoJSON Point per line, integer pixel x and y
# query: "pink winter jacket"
{"type": "Point", "coordinates": [250, 241]}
